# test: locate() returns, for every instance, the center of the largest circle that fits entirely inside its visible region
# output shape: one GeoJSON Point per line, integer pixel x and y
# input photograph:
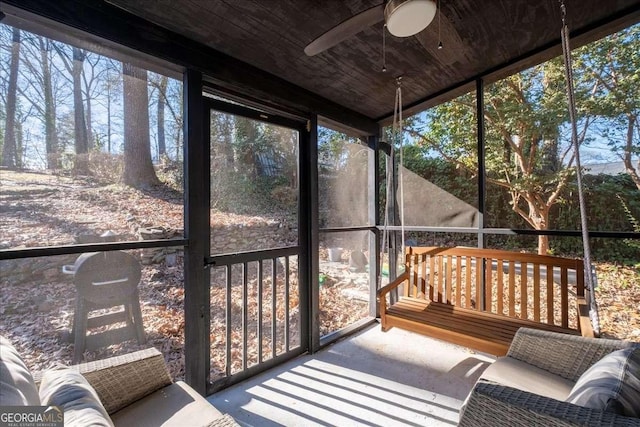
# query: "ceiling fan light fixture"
{"type": "Point", "coordinates": [406, 18]}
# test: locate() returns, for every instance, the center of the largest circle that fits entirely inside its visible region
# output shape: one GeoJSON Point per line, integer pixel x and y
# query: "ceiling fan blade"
{"type": "Point", "coordinates": [345, 29]}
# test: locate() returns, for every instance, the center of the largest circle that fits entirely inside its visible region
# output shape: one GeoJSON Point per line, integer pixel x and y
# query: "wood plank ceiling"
{"type": "Point", "coordinates": [479, 37]}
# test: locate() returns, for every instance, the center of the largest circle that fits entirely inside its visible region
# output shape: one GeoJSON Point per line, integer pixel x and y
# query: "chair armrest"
{"type": "Point", "coordinates": [382, 295]}
{"type": "Point", "coordinates": [121, 380]}
{"type": "Point", "coordinates": [383, 291]}
{"type": "Point", "coordinates": [568, 356]}
{"type": "Point", "coordinates": [492, 404]}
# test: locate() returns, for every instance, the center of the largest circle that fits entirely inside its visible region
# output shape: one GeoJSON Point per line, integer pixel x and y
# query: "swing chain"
{"type": "Point", "coordinates": [397, 130]}
{"type": "Point", "coordinates": [563, 11]}
{"type": "Point", "coordinates": [589, 272]}
{"type": "Point", "coordinates": [384, 48]}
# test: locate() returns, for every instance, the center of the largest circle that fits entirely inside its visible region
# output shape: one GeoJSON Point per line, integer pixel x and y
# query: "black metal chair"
{"type": "Point", "coordinates": [105, 280]}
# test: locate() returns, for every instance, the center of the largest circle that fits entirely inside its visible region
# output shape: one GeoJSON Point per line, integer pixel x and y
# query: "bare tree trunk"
{"type": "Point", "coordinates": [536, 214]}
{"type": "Point", "coordinates": [628, 163]}
{"type": "Point", "coordinates": [539, 218]}
{"type": "Point", "coordinates": [80, 126]}
{"type": "Point", "coordinates": [179, 135]}
{"type": "Point", "coordinates": [543, 245]}
{"type": "Point", "coordinates": [9, 151]}
{"type": "Point", "coordinates": [21, 146]}
{"type": "Point", "coordinates": [112, 88]}
{"type": "Point", "coordinates": [162, 94]}
{"type": "Point", "coordinates": [91, 143]}
{"type": "Point", "coordinates": [138, 168]}
{"type": "Point", "coordinates": [51, 134]}
{"type": "Point", "coordinates": [108, 117]}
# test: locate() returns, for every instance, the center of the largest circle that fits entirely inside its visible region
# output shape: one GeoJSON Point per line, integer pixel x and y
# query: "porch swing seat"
{"type": "Point", "coordinates": [444, 293]}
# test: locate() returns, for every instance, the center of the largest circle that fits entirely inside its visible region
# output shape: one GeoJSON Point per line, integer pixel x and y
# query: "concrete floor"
{"type": "Point", "coordinates": [396, 378]}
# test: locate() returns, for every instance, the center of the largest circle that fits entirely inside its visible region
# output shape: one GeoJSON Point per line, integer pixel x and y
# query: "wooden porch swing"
{"type": "Point", "coordinates": [479, 298]}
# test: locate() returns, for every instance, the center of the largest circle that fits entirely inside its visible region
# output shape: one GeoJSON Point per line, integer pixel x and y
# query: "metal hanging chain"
{"type": "Point", "coordinates": [397, 137]}
{"type": "Point", "coordinates": [568, 68]}
{"type": "Point", "coordinates": [385, 229]}
{"type": "Point", "coordinates": [439, 38]}
{"type": "Point", "coordinates": [384, 48]}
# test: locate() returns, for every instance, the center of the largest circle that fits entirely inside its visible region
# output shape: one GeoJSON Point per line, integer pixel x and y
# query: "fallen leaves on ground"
{"type": "Point", "coordinates": [618, 298]}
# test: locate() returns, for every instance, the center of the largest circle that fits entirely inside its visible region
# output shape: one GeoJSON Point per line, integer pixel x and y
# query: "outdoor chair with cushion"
{"type": "Point", "coordinates": [553, 379]}
{"type": "Point", "coordinates": [134, 389]}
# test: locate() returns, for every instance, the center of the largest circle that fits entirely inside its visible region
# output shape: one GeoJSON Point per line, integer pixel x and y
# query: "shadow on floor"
{"type": "Point", "coordinates": [395, 378]}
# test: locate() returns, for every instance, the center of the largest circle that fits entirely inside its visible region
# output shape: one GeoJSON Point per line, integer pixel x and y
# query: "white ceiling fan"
{"type": "Point", "coordinates": [403, 18]}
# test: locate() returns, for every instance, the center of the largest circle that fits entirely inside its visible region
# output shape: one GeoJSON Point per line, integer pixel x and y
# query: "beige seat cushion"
{"type": "Point", "coordinates": [17, 387]}
{"type": "Point", "coordinates": [68, 389]}
{"type": "Point", "coordinates": [517, 374]}
{"type": "Point", "coordinates": [174, 405]}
